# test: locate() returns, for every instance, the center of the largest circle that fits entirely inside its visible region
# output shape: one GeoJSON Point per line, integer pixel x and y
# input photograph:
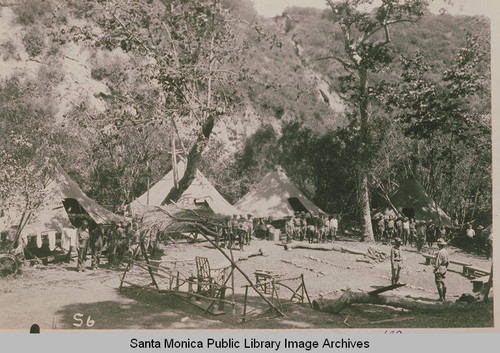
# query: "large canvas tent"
{"type": "Point", "coordinates": [412, 201]}
{"type": "Point", "coordinates": [64, 205]}
{"type": "Point", "coordinates": [275, 196]}
{"type": "Point", "coordinates": [200, 192]}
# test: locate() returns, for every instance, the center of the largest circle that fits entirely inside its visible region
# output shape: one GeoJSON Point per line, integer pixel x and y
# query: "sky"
{"type": "Point", "coordinates": [271, 8]}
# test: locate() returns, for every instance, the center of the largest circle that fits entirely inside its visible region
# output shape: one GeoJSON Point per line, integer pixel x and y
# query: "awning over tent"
{"type": "Point", "coordinates": [412, 200]}
{"type": "Point", "coordinates": [200, 191]}
{"type": "Point", "coordinates": [63, 191]}
{"type": "Point", "coordinates": [275, 196]}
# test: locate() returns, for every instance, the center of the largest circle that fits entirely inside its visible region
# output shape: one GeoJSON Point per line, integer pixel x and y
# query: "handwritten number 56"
{"type": "Point", "coordinates": [79, 320]}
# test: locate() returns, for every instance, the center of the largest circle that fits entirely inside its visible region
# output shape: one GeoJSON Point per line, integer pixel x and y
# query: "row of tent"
{"type": "Point", "coordinates": [274, 196]}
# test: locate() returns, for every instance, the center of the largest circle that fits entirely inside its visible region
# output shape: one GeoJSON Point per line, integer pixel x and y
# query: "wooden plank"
{"type": "Point", "coordinates": [483, 279]}
{"type": "Point", "coordinates": [387, 288]}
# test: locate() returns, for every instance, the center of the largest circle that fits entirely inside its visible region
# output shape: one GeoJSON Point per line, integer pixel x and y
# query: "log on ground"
{"type": "Point", "coordinates": [335, 306]}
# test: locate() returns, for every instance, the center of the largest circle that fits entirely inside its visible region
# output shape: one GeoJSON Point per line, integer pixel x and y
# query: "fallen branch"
{"type": "Point", "coordinates": [372, 253]}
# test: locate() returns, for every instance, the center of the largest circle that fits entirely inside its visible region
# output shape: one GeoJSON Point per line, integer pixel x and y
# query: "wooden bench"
{"type": "Point", "coordinates": [429, 259]}
{"type": "Point", "coordinates": [473, 271]}
{"type": "Point", "coordinates": [479, 283]}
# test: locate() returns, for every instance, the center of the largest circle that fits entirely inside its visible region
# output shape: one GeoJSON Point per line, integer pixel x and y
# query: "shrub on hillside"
{"type": "Point", "coordinates": [33, 42]}
{"type": "Point", "coordinates": [9, 51]}
{"type": "Point", "coordinates": [29, 11]}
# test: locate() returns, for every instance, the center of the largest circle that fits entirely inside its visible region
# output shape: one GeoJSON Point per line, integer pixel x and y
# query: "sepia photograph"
{"type": "Point", "coordinates": [245, 164]}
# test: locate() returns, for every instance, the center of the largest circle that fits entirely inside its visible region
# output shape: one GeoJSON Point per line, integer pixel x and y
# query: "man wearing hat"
{"type": "Point", "coordinates": [396, 260]}
{"type": "Point", "coordinates": [440, 268]}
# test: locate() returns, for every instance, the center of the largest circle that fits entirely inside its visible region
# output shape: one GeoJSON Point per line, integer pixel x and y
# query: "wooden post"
{"type": "Point", "coordinates": [134, 254]}
{"type": "Point", "coordinates": [488, 285]}
{"type": "Point", "coordinates": [302, 288]}
{"type": "Point", "coordinates": [232, 281]}
{"type": "Point", "coordinates": [177, 281]}
{"type": "Point", "coordinates": [245, 305]}
{"type": "Point", "coordinates": [305, 291]}
{"type": "Point", "coordinates": [143, 250]}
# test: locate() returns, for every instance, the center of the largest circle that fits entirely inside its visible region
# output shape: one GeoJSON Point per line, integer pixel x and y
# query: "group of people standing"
{"type": "Point", "coordinates": [235, 229]}
{"type": "Point", "coordinates": [115, 240]}
{"type": "Point", "coordinates": [318, 228]}
{"type": "Point", "coordinates": [300, 226]}
{"type": "Point", "coordinates": [409, 231]}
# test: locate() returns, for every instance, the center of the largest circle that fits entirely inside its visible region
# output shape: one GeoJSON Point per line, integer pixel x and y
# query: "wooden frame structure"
{"type": "Point", "coordinates": [272, 284]}
{"type": "Point", "coordinates": [207, 287]}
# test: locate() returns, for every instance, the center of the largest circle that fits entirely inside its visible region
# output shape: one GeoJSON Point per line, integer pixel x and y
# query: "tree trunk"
{"type": "Point", "coordinates": [365, 207]}
{"type": "Point", "coordinates": [364, 156]}
{"type": "Point", "coordinates": [193, 159]}
{"type": "Point", "coordinates": [335, 306]}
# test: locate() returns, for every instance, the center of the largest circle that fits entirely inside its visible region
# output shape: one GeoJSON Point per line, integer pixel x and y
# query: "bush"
{"type": "Point", "coordinates": [29, 11]}
{"type": "Point", "coordinates": [9, 51]}
{"type": "Point", "coordinates": [33, 42]}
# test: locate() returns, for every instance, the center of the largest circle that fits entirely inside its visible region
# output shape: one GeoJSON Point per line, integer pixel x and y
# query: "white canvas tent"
{"type": "Point", "coordinates": [63, 197]}
{"type": "Point", "coordinates": [412, 201]}
{"type": "Point", "coordinates": [199, 192]}
{"type": "Point", "coordinates": [275, 196]}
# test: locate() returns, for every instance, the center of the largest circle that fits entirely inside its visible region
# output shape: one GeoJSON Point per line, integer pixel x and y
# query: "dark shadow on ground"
{"type": "Point", "coordinates": [148, 309]}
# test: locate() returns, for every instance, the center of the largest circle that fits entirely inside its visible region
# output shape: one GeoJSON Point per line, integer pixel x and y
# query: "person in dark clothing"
{"type": "Point", "coordinates": [121, 243]}
{"type": "Point", "coordinates": [111, 241]}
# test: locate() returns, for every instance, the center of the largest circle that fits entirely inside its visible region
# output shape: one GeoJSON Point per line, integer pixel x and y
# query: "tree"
{"type": "Point", "coordinates": [182, 50]}
{"type": "Point", "coordinates": [366, 37]}
{"type": "Point", "coordinates": [24, 149]}
{"type": "Point", "coordinates": [447, 116]}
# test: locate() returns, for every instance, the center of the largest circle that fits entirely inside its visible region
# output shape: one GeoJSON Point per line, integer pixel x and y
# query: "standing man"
{"type": "Point", "coordinates": [413, 231]}
{"type": "Point", "coordinates": [381, 228]}
{"type": "Point", "coordinates": [421, 231]}
{"type": "Point", "coordinates": [296, 226]}
{"type": "Point", "coordinates": [242, 232]}
{"type": "Point", "coordinates": [390, 229]}
{"type": "Point", "coordinates": [396, 261]}
{"type": "Point", "coordinates": [112, 243]}
{"type": "Point", "coordinates": [470, 234]}
{"type": "Point", "coordinates": [121, 243]}
{"type": "Point", "coordinates": [289, 229]}
{"type": "Point", "coordinates": [440, 268]}
{"type": "Point", "coordinates": [96, 244]}
{"type": "Point", "coordinates": [406, 231]}
{"type": "Point", "coordinates": [83, 243]}
{"type": "Point", "coordinates": [431, 233]}
{"type": "Point", "coordinates": [398, 228]}
{"type": "Point", "coordinates": [249, 228]}
{"type": "Point", "coordinates": [334, 226]}
{"type": "Point", "coordinates": [303, 225]}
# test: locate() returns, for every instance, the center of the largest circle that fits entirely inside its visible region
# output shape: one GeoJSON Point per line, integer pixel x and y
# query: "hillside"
{"type": "Point", "coordinates": [75, 84]}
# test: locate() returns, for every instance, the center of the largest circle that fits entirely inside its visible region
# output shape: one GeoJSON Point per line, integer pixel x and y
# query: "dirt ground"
{"type": "Point", "coordinates": [52, 295]}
